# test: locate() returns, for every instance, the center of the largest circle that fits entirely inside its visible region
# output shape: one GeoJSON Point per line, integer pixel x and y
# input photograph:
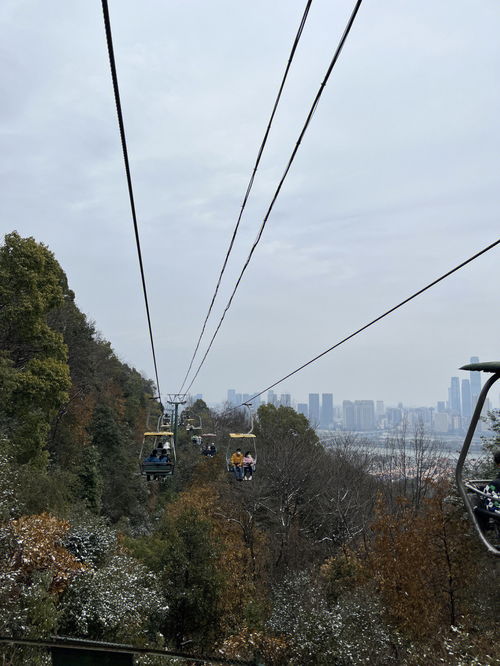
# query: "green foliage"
{"type": "Point", "coordinates": [90, 479]}
{"type": "Point", "coordinates": [184, 555]}
{"type": "Point", "coordinates": [120, 487]}
{"type": "Point", "coordinates": [280, 423]}
{"type": "Point", "coordinates": [33, 362]}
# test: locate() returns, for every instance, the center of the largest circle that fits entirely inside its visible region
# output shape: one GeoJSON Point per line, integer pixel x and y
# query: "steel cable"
{"type": "Point", "coordinates": [249, 186]}
{"type": "Point", "coordinates": [278, 189]}
{"type": "Point", "coordinates": [116, 90]}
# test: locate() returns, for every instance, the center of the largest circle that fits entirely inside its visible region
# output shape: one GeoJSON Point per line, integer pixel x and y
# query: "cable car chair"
{"type": "Point", "coordinates": [472, 490]}
{"type": "Point", "coordinates": [246, 435]}
{"type": "Point", "coordinates": [162, 439]}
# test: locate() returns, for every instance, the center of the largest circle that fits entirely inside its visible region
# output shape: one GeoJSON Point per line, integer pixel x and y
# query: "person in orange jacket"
{"type": "Point", "coordinates": [237, 463]}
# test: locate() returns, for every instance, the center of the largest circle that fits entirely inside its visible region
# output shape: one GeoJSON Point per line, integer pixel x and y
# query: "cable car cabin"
{"type": "Point", "coordinates": [160, 461]}
{"type": "Point", "coordinates": [481, 496]}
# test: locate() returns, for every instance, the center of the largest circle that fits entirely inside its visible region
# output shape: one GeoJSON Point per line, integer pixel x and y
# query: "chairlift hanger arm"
{"type": "Point", "coordinates": [491, 367]}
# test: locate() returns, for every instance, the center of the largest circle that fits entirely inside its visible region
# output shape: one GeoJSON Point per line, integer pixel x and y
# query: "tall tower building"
{"type": "Point", "coordinates": [466, 403]}
{"type": "Point", "coordinates": [231, 396]}
{"type": "Point", "coordinates": [302, 409]}
{"type": "Point", "coordinates": [455, 407]}
{"type": "Point", "coordinates": [326, 419]}
{"type": "Point", "coordinates": [348, 415]}
{"type": "Point", "coordinates": [286, 400]}
{"type": "Point", "coordinates": [364, 414]}
{"type": "Point", "coordinates": [314, 409]}
{"type": "Point", "coordinates": [272, 398]}
{"type": "Point", "coordinates": [475, 381]}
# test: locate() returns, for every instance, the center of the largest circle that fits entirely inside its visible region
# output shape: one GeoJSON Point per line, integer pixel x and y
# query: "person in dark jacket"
{"type": "Point", "coordinates": [153, 457]}
{"type": "Point", "coordinates": [165, 456]}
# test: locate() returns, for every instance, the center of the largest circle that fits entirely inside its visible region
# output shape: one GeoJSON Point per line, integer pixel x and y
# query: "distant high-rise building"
{"type": "Point", "coordinates": [256, 402]}
{"type": "Point", "coordinates": [364, 414]}
{"type": "Point", "coordinates": [245, 397]}
{"type": "Point", "coordinates": [238, 398]}
{"type": "Point", "coordinates": [348, 415]}
{"type": "Point", "coordinates": [272, 398]}
{"type": "Point", "coordinates": [441, 423]}
{"type": "Point", "coordinates": [286, 399]}
{"type": "Point", "coordinates": [455, 406]}
{"type": "Point", "coordinates": [394, 416]}
{"type": "Point", "coordinates": [314, 409]}
{"type": "Point", "coordinates": [475, 382]}
{"type": "Point", "coordinates": [231, 396]}
{"type": "Point", "coordinates": [466, 403]}
{"type": "Point", "coordinates": [441, 407]}
{"type": "Point", "coordinates": [302, 409]}
{"type": "Point", "coordinates": [326, 420]}
{"type": "Point", "coordinates": [379, 408]}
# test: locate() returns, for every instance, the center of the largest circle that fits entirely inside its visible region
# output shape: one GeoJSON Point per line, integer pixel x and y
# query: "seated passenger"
{"type": "Point", "coordinates": [492, 490]}
{"type": "Point", "coordinates": [153, 457]}
{"type": "Point", "coordinates": [237, 463]}
{"type": "Point", "coordinates": [248, 464]}
{"type": "Point", "coordinates": [212, 450]}
{"type": "Point", "coordinates": [165, 457]}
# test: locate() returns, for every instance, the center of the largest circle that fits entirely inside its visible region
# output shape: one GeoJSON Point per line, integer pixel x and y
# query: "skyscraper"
{"type": "Point", "coordinates": [302, 409]}
{"type": "Point", "coordinates": [326, 419]}
{"type": "Point", "coordinates": [314, 409]}
{"type": "Point", "coordinates": [454, 394]}
{"type": "Point", "coordinates": [475, 382]}
{"type": "Point", "coordinates": [272, 398]}
{"type": "Point", "coordinates": [348, 415]}
{"type": "Point", "coordinates": [466, 403]}
{"type": "Point", "coordinates": [286, 399]}
{"type": "Point", "coordinates": [231, 396]}
{"type": "Point", "coordinates": [364, 414]}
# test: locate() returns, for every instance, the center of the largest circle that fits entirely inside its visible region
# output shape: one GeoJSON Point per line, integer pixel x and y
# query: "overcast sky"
{"type": "Point", "coordinates": [396, 182]}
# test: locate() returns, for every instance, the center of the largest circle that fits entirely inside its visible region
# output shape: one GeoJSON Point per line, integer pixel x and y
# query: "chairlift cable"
{"type": "Point", "coordinates": [250, 185]}
{"type": "Point", "coordinates": [116, 90]}
{"type": "Point", "coordinates": [374, 321]}
{"type": "Point", "coordinates": [280, 184]}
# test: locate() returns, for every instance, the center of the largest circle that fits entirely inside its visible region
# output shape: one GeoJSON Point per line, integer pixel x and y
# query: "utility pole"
{"type": "Point", "coordinates": [176, 399]}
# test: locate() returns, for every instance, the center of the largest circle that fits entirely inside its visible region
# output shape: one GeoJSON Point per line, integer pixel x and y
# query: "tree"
{"type": "Point", "coordinates": [33, 364]}
{"type": "Point", "coordinates": [425, 564]}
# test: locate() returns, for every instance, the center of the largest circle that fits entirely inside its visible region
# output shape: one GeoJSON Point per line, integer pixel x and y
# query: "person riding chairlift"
{"type": "Point", "coordinates": [237, 463]}
{"type": "Point", "coordinates": [165, 457]}
{"type": "Point", "coordinates": [492, 502]}
{"type": "Point", "coordinates": [153, 457]}
{"type": "Point", "coordinates": [248, 463]}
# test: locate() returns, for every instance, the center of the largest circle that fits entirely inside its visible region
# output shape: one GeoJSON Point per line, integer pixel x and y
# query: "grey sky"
{"type": "Point", "coordinates": [397, 181]}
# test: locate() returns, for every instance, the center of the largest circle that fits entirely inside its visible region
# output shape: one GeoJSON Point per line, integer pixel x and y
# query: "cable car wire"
{"type": "Point", "coordinates": [250, 184]}
{"type": "Point", "coordinates": [371, 323]}
{"type": "Point", "coordinates": [116, 90]}
{"type": "Point", "coordinates": [280, 184]}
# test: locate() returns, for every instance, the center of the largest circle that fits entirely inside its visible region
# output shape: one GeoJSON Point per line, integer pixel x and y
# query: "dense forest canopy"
{"type": "Point", "coordinates": [327, 556]}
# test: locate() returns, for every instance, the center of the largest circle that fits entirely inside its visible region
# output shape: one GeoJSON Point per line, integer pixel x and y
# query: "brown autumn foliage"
{"type": "Point", "coordinates": [247, 644]}
{"type": "Point", "coordinates": [424, 564]}
{"type": "Point", "coordinates": [37, 546]}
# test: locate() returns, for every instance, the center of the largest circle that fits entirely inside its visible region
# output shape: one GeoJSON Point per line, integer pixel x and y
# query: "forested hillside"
{"type": "Point", "coordinates": [325, 557]}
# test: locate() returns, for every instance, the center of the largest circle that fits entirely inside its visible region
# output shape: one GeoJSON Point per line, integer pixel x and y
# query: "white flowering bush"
{"type": "Point", "coordinates": [120, 601]}
{"type": "Point", "coordinates": [10, 504]}
{"type": "Point", "coordinates": [91, 541]}
{"type": "Point", "coordinates": [352, 632]}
